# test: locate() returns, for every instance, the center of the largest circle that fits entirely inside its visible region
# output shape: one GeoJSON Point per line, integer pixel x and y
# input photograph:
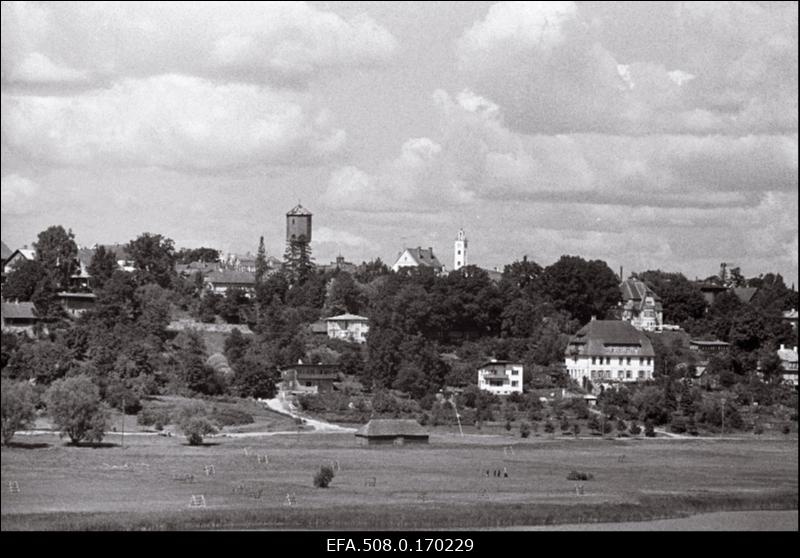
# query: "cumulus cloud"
{"type": "Point", "coordinates": [277, 42]}
{"type": "Point", "coordinates": [171, 121]}
{"type": "Point", "coordinates": [547, 66]}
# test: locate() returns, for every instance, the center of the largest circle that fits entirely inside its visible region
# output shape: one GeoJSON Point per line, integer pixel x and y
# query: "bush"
{"type": "Point", "coordinates": [524, 430]}
{"type": "Point", "coordinates": [549, 428]}
{"type": "Point", "coordinates": [18, 407]}
{"type": "Point", "coordinates": [194, 423]}
{"type": "Point", "coordinates": [579, 476]}
{"type": "Point", "coordinates": [649, 429]}
{"type": "Point", "coordinates": [678, 423]}
{"type": "Point", "coordinates": [786, 429]}
{"type": "Point", "coordinates": [77, 410]}
{"type": "Point", "coordinates": [635, 429]}
{"type": "Point", "coordinates": [230, 417]}
{"type": "Point", "coordinates": [576, 429]}
{"type": "Point", "coordinates": [155, 416]}
{"type": "Point", "coordinates": [323, 477]}
{"type": "Point", "coordinates": [508, 425]}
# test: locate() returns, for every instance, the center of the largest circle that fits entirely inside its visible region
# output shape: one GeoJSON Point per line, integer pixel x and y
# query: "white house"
{"type": "Point", "coordinates": [348, 327]}
{"type": "Point", "coordinates": [500, 377]}
{"type": "Point", "coordinates": [788, 358]}
{"type": "Point", "coordinates": [608, 352]}
{"type": "Point", "coordinates": [17, 257]}
{"type": "Point", "coordinates": [641, 306]}
{"type": "Point", "coordinates": [417, 257]}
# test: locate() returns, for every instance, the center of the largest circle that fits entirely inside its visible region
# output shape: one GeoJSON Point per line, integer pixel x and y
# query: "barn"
{"type": "Point", "coordinates": [392, 431]}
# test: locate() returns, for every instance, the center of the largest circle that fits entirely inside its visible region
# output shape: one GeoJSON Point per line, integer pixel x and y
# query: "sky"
{"type": "Point", "coordinates": [651, 135]}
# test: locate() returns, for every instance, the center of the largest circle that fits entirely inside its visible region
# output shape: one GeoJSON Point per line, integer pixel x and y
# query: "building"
{"type": "Point", "coordinates": [790, 316]}
{"type": "Point", "coordinates": [460, 250]}
{"type": "Point", "coordinates": [710, 291]}
{"type": "Point", "coordinates": [396, 432]}
{"type": "Point", "coordinates": [710, 347]}
{"type": "Point", "coordinates": [339, 265]}
{"type": "Point", "coordinates": [641, 306]}
{"type": "Point", "coordinates": [348, 327]}
{"type": "Point", "coordinates": [417, 257]}
{"type": "Point", "coordinates": [609, 352]}
{"type": "Point", "coordinates": [186, 270]}
{"type": "Point", "coordinates": [500, 377]}
{"type": "Point", "coordinates": [298, 224]}
{"type": "Point", "coordinates": [309, 378]}
{"type": "Point", "coordinates": [76, 304]}
{"type": "Point", "coordinates": [789, 363]}
{"type": "Point", "coordinates": [18, 317]}
{"type": "Point", "coordinates": [17, 256]}
{"type": "Point", "coordinates": [220, 281]}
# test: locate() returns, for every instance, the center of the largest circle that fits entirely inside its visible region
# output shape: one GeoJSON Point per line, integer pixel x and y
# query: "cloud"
{"type": "Point", "coordinates": [286, 43]}
{"type": "Point", "coordinates": [550, 69]}
{"type": "Point", "coordinates": [19, 194]}
{"type": "Point", "coordinates": [171, 121]}
{"type": "Point", "coordinates": [327, 235]}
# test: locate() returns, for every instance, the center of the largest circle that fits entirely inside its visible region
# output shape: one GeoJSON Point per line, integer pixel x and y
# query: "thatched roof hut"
{"type": "Point", "coordinates": [392, 431]}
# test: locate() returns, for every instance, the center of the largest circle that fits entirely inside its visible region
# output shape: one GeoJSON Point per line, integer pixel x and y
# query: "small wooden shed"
{"type": "Point", "coordinates": [392, 431]}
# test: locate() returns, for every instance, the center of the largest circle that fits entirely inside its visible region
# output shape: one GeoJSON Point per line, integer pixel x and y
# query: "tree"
{"type": "Point", "coordinates": [298, 264]}
{"type": "Point", "coordinates": [261, 261]}
{"type": "Point", "coordinates": [682, 301]}
{"type": "Point", "coordinates": [76, 409]}
{"type": "Point", "coordinates": [524, 429]}
{"type": "Point", "coordinates": [102, 267]}
{"type": "Point", "coordinates": [18, 407]}
{"type": "Point", "coordinates": [194, 423]}
{"type": "Point", "coordinates": [191, 255]}
{"type": "Point", "coordinates": [57, 251]}
{"type": "Point", "coordinates": [582, 288]}
{"type": "Point", "coordinates": [23, 280]}
{"type": "Point", "coordinates": [154, 259]}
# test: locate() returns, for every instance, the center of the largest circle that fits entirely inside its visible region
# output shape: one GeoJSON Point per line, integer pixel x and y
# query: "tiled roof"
{"type": "Point", "coordinates": [745, 294]}
{"type": "Point", "coordinates": [391, 427]}
{"type": "Point", "coordinates": [298, 210]}
{"type": "Point", "coordinates": [424, 257]}
{"type": "Point", "coordinates": [346, 317]}
{"type": "Point", "coordinates": [18, 310]}
{"type": "Point", "coordinates": [600, 337]}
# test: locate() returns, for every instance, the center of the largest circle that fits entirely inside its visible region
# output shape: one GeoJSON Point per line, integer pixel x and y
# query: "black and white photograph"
{"type": "Point", "coordinates": [402, 275]}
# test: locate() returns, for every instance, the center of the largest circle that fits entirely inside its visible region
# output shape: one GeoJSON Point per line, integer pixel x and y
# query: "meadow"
{"type": "Point", "coordinates": [149, 483]}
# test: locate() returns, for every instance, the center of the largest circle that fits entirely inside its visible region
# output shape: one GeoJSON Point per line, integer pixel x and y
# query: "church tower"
{"type": "Point", "coordinates": [460, 250]}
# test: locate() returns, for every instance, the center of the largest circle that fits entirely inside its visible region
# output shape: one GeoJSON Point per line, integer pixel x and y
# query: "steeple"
{"type": "Point", "coordinates": [460, 250]}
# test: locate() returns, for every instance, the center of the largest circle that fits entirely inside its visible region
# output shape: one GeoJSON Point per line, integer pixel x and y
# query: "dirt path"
{"type": "Point", "coordinates": [281, 404]}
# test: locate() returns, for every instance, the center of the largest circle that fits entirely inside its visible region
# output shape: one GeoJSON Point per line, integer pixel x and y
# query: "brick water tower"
{"type": "Point", "coordinates": [298, 225]}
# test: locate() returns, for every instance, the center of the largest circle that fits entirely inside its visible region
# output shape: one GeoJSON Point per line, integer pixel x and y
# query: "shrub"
{"type": "Point", "coordinates": [649, 429]}
{"type": "Point", "coordinates": [678, 423]}
{"type": "Point", "coordinates": [786, 429]}
{"type": "Point", "coordinates": [18, 407]}
{"type": "Point", "coordinates": [635, 429]}
{"type": "Point", "coordinates": [524, 430]}
{"type": "Point", "coordinates": [323, 477]}
{"type": "Point", "coordinates": [230, 417]}
{"type": "Point", "coordinates": [151, 415]}
{"type": "Point", "coordinates": [579, 476]}
{"type": "Point", "coordinates": [549, 428]}
{"type": "Point", "coordinates": [194, 423]}
{"type": "Point", "coordinates": [508, 425]}
{"type": "Point", "coordinates": [77, 410]}
{"type": "Point", "coordinates": [576, 429]}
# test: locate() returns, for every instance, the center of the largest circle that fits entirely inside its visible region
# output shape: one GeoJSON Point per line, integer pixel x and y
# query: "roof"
{"type": "Point", "coordinates": [230, 276]}
{"type": "Point", "coordinates": [635, 292]}
{"type": "Point", "coordinates": [704, 343]}
{"type": "Point", "coordinates": [347, 318]}
{"type": "Point", "coordinates": [18, 310]}
{"type": "Point", "coordinates": [298, 210]}
{"type": "Point", "coordinates": [745, 294]}
{"type": "Point", "coordinates": [26, 253]}
{"type": "Point", "coordinates": [87, 296]}
{"type": "Point", "coordinates": [709, 286]}
{"type": "Point", "coordinates": [391, 427]}
{"type": "Point", "coordinates": [599, 336]}
{"type": "Point", "coordinates": [500, 362]}
{"type": "Point", "coordinates": [790, 315]}
{"type": "Point", "coordinates": [424, 257]}
{"type": "Point", "coordinates": [5, 251]}
{"type": "Point", "coordinates": [787, 355]}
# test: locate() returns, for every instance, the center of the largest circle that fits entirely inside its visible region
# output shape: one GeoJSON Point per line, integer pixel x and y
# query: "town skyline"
{"type": "Point", "coordinates": [661, 136]}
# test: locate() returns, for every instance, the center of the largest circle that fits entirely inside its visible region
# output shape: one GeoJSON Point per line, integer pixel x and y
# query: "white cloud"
{"type": "Point", "coordinates": [19, 194]}
{"type": "Point", "coordinates": [283, 42]}
{"type": "Point", "coordinates": [171, 121]}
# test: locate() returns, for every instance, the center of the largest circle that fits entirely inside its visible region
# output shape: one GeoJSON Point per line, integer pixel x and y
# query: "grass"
{"type": "Point", "coordinates": [435, 486]}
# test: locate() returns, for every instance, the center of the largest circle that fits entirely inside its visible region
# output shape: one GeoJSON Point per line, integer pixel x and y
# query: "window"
{"type": "Point", "coordinates": [608, 360]}
{"type": "Point", "coordinates": [459, 252]}
{"type": "Point", "coordinates": [641, 360]}
{"type": "Point", "coordinates": [629, 374]}
{"type": "Point", "coordinates": [641, 373]}
{"type": "Point", "coordinates": [620, 360]}
{"type": "Point", "coordinates": [594, 360]}
{"type": "Point", "coordinates": [648, 360]}
{"type": "Point", "coordinates": [629, 360]}
{"type": "Point", "coordinates": [620, 374]}
{"type": "Point", "coordinates": [514, 383]}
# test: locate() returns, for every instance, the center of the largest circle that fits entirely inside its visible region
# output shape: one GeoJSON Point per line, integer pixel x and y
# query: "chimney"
{"type": "Point", "coordinates": [621, 276]}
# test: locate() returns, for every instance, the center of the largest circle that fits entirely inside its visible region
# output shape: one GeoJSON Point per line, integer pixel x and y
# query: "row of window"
{"type": "Point", "coordinates": [621, 375]}
{"type": "Point", "coordinates": [642, 360]}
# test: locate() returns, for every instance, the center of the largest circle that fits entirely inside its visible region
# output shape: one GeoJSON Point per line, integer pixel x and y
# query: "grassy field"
{"type": "Point", "coordinates": [440, 485]}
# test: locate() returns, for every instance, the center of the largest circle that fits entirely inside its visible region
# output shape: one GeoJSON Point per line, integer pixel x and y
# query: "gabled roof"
{"type": "Point", "coordinates": [299, 210]}
{"type": "Point", "coordinates": [745, 294]}
{"type": "Point", "coordinates": [599, 336]}
{"type": "Point", "coordinates": [347, 318]}
{"type": "Point", "coordinates": [391, 427]}
{"type": "Point", "coordinates": [26, 253]}
{"type": "Point", "coordinates": [422, 256]}
{"type": "Point", "coordinates": [230, 276]}
{"type": "Point", "coordinates": [18, 310]}
{"type": "Point", "coordinates": [633, 289]}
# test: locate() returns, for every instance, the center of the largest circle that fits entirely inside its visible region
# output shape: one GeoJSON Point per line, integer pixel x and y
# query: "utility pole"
{"type": "Point", "coordinates": [123, 423]}
{"type": "Point", "coordinates": [458, 418]}
{"type": "Point", "coordinates": [723, 416]}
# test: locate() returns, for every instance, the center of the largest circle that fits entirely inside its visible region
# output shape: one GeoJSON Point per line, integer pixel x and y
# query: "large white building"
{"type": "Point", "coordinates": [417, 257]}
{"type": "Point", "coordinates": [348, 327]}
{"type": "Point", "coordinates": [788, 356]}
{"type": "Point", "coordinates": [500, 377]}
{"type": "Point", "coordinates": [608, 352]}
